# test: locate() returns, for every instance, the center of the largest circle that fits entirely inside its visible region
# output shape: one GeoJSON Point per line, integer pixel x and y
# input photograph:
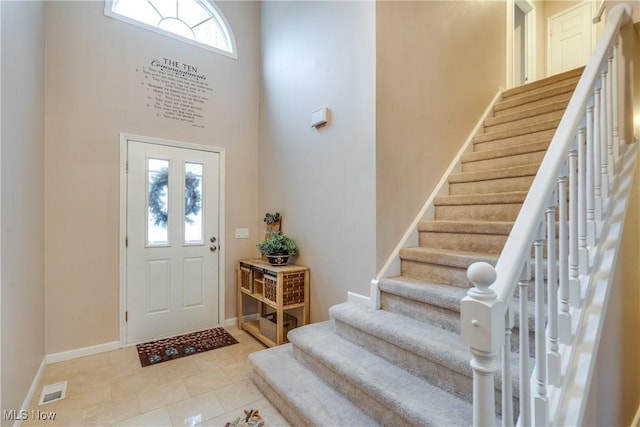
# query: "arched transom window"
{"type": "Point", "coordinates": [196, 21]}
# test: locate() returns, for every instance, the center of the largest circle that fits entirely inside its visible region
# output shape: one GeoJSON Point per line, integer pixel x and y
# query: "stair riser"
{"type": "Point", "coordinates": [516, 140]}
{"type": "Point", "coordinates": [294, 415]}
{"type": "Point", "coordinates": [515, 131]}
{"type": "Point", "coordinates": [539, 84]}
{"type": "Point", "coordinates": [502, 185]}
{"type": "Point", "coordinates": [445, 378]}
{"type": "Point", "coordinates": [504, 162]}
{"type": "Point", "coordinates": [530, 98]}
{"type": "Point", "coordinates": [493, 212]}
{"type": "Point", "coordinates": [503, 109]}
{"type": "Point", "coordinates": [435, 273]}
{"type": "Point", "coordinates": [483, 243]}
{"type": "Point", "coordinates": [559, 87]}
{"type": "Point", "coordinates": [526, 114]}
{"type": "Point", "coordinates": [438, 316]}
{"type": "Point", "coordinates": [377, 410]}
{"type": "Point", "coordinates": [516, 124]}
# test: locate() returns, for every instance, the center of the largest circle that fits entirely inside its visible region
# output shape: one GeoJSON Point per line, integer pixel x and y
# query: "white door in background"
{"type": "Point", "coordinates": [172, 231]}
{"type": "Point", "coordinates": [570, 39]}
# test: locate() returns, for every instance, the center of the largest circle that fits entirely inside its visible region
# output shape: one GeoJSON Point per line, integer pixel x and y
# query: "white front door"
{"type": "Point", "coordinates": [569, 38]}
{"type": "Point", "coordinates": [172, 231]}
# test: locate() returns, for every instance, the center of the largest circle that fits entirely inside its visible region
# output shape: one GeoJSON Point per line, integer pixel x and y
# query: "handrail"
{"type": "Point", "coordinates": [536, 201]}
{"type": "Point", "coordinates": [584, 153]}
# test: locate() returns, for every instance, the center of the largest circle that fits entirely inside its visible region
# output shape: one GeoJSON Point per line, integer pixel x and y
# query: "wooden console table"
{"type": "Point", "coordinates": [281, 288]}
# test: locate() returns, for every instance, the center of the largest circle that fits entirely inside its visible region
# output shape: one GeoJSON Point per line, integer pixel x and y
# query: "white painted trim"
{"type": "Point", "coordinates": [81, 352]}
{"type": "Point", "coordinates": [391, 267]}
{"type": "Point", "coordinates": [216, 12]}
{"type": "Point", "coordinates": [529, 9]}
{"type": "Point", "coordinates": [32, 391]}
{"type": "Point", "coordinates": [531, 40]}
{"type": "Point", "coordinates": [124, 138]}
{"type": "Point", "coordinates": [358, 298]}
{"type": "Point", "coordinates": [636, 419]}
{"type": "Point", "coordinates": [234, 320]}
{"type": "Point", "coordinates": [509, 43]}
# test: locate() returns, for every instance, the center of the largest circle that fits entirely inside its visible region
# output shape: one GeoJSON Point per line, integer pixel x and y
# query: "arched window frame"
{"type": "Point", "coordinates": [210, 6]}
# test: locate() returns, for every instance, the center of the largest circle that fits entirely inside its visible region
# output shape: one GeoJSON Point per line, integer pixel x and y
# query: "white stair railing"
{"type": "Point", "coordinates": [583, 156]}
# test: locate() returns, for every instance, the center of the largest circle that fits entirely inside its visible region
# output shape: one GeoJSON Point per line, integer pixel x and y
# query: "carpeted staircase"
{"type": "Point", "coordinates": [405, 363]}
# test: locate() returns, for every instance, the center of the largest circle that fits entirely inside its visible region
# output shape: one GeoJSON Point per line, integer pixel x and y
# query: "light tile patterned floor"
{"type": "Point", "coordinates": [111, 388]}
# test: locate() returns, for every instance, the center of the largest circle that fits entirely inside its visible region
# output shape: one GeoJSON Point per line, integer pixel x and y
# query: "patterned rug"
{"type": "Point", "coordinates": [251, 418]}
{"type": "Point", "coordinates": [154, 352]}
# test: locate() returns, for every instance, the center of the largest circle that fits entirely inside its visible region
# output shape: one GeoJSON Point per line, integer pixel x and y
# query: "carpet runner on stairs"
{"type": "Point", "coordinates": [405, 364]}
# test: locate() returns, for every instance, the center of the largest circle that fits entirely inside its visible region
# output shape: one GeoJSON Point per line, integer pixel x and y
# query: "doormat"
{"type": "Point", "coordinates": [154, 352]}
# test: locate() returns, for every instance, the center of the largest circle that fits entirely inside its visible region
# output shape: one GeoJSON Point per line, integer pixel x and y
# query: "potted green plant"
{"type": "Point", "coordinates": [277, 247]}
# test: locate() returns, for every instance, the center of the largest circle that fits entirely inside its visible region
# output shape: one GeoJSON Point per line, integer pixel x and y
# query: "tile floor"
{"type": "Point", "coordinates": [111, 389]}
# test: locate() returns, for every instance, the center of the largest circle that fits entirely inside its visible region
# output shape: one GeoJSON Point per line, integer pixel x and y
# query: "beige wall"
{"type": "Point", "coordinates": [92, 95]}
{"type": "Point", "coordinates": [322, 181]}
{"type": "Point", "coordinates": [436, 74]}
{"type": "Point", "coordinates": [22, 346]}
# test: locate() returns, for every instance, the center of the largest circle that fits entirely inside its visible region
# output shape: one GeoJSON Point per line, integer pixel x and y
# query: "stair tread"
{"type": "Point", "coordinates": [503, 126]}
{"type": "Point", "coordinates": [499, 173]}
{"type": "Point", "coordinates": [431, 342]}
{"type": "Point", "coordinates": [504, 152]}
{"type": "Point", "coordinates": [445, 296]}
{"type": "Point", "coordinates": [417, 399]}
{"type": "Point", "coordinates": [576, 72]}
{"type": "Point", "coordinates": [494, 135]}
{"type": "Point", "coordinates": [531, 97]}
{"type": "Point", "coordinates": [481, 199]}
{"type": "Point", "coordinates": [303, 390]}
{"type": "Point", "coordinates": [527, 113]}
{"type": "Point", "coordinates": [468, 226]}
{"type": "Point", "coordinates": [448, 257]}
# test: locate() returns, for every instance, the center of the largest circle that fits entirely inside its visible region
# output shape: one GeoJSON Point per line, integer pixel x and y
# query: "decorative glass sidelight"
{"type": "Point", "coordinates": [157, 202]}
{"type": "Point", "coordinates": [193, 225]}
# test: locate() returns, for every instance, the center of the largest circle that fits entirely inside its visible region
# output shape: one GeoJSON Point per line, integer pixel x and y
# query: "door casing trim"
{"type": "Point", "coordinates": [124, 138]}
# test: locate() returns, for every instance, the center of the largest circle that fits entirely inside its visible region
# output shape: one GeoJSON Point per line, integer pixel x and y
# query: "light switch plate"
{"type": "Point", "coordinates": [242, 233]}
{"type": "Point", "coordinates": [319, 117]}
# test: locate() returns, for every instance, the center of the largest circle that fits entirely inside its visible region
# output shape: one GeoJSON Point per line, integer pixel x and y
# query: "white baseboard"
{"type": "Point", "coordinates": [80, 352]}
{"type": "Point", "coordinates": [230, 322]}
{"type": "Point", "coordinates": [234, 320]}
{"type": "Point", "coordinates": [358, 299]}
{"type": "Point", "coordinates": [32, 391]}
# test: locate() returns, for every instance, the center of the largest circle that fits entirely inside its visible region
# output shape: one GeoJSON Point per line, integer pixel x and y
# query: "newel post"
{"type": "Point", "coordinates": [483, 317]}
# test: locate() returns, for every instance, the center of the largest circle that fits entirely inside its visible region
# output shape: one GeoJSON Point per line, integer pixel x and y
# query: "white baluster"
{"type": "Point", "coordinates": [604, 156]}
{"type": "Point", "coordinates": [597, 155]}
{"type": "Point", "coordinates": [615, 92]}
{"type": "Point", "coordinates": [574, 280]}
{"type": "Point", "coordinates": [553, 356]}
{"type": "Point", "coordinates": [525, 374]}
{"type": "Point", "coordinates": [583, 254]}
{"type": "Point", "coordinates": [507, 382]}
{"type": "Point", "coordinates": [590, 190]}
{"type": "Point", "coordinates": [541, 400]}
{"type": "Point", "coordinates": [564, 317]}
{"type": "Point", "coordinates": [611, 158]}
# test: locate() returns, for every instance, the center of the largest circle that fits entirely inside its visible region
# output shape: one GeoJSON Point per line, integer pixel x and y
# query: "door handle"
{"type": "Point", "coordinates": [213, 248]}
